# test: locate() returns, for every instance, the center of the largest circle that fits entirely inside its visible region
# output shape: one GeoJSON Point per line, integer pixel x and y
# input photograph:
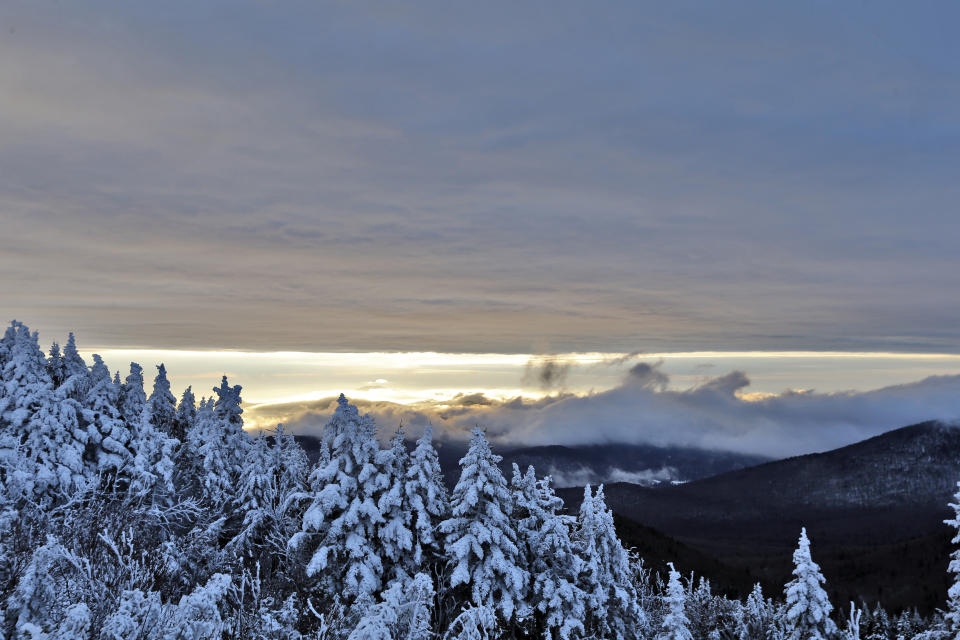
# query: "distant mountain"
{"type": "Point", "coordinates": [641, 464]}
{"type": "Point", "coordinates": [874, 511]}
{"type": "Point", "coordinates": [644, 465]}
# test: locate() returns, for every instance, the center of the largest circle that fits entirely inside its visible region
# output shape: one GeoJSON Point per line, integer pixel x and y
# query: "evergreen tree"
{"type": "Point", "coordinates": [808, 608]}
{"type": "Point", "coordinates": [108, 433]}
{"type": "Point", "coordinates": [6, 343]}
{"type": "Point", "coordinates": [152, 471]}
{"type": "Point", "coordinates": [256, 493]}
{"type": "Point", "coordinates": [76, 379]}
{"type": "Point", "coordinates": [227, 406]}
{"type": "Point", "coordinates": [186, 415]}
{"type": "Point", "coordinates": [218, 446]}
{"type": "Point", "coordinates": [427, 499]}
{"type": "Point", "coordinates": [675, 625]}
{"type": "Point", "coordinates": [41, 424]}
{"type": "Point", "coordinates": [394, 529]}
{"type": "Point", "coordinates": [481, 543]}
{"type": "Point", "coordinates": [133, 399]}
{"type": "Point", "coordinates": [554, 566]}
{"type": "Point", "coordinates": [72, 362]}
{"type": "Point", "coordinates": [162, 403]}
{"type": "Point", "coordinates": [55, 365]}
{"type": "Point", "coordinates": [338, 530]}
{"type": "Point", "coordinates": [274, 474]}
{"type": "Point", "coordinates": [612, 607]}
{"type": "Point", "coordinates": [10, 454]}
{"type": "Point", "coordinates": [756, 618]}
{"type": "Point", "coordinates": [952, 614]}
{"type": "Point", "coordinates": [289, 463]}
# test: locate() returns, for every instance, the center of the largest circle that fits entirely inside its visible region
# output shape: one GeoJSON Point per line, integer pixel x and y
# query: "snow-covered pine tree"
{"type": "Point", "coordinates": [558, 601]}
{"type": "Point", "coordinates": [133, 399]}
{"type": "Point", "coordinates": [525, 500]}
{"type": "Point", "coordinates": [480, 541]}
{"type": "Point", "coordinates": [289, 464]}
{"type": "Point", "coordinates": [55, 365]}
{"type": "Point", "coordinates": [952, 615]}
{"type": "Point", "coordinates": [393, 530]}
{"type": "Point", "coordinates": [807, 606]}
{"type": "Point", "coordinates": [197, 616]}
{"type": "Point", "coordinates": [703, 610]}
{"type": "Point", "coordinates": [404, 612]}
{"type": "Point", "coordinates": [256, 494]}
{"type": "Point", "coordinates": [44, 425]}
{"type": "Point", "coordinates": [757, 616]}
{"type": "Point", "coordinates": [227, 405]}
{"type": "Point", "coordinates": [186, 415]}
{"type": "Point", "coordinates": [72, 362]}
{"type": "Point", "coordinates": [10, 455]}
{"type": "Point", "coordinates": [109, 437]}
{"type": "Point", "coordinates": [162, 403]}
{"type": "Point", "coordinates": [273, 475]}
{"type": "Point", "coordinates": [6, 343]}
{"type": "Point", "coordinates": [26, 382]}
{"type": "Point", "coordinates": [427, 499]}
{"type": "Point", "coordinates": [217, 445]}
{"type": "Point", "coordinates": [153, 466]}
{"type": "Point", "coordinates": [612, 607]}
{"type": "Point", "coordinates": [338, 530]}
{"type": "Point", "coordinates": [675, 625]}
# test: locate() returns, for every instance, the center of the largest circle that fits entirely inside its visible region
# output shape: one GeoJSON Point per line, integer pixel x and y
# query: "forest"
{"type": "Point", "coordinates": [133, 515]}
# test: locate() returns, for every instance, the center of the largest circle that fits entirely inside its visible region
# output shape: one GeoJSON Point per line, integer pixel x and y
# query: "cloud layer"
{"type": "Point", "coordinates": [488, 177]}
{"type": "Point", "coordinates": [642, 410]}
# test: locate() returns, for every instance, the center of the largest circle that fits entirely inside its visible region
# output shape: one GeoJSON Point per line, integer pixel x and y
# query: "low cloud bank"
{"type": "Point", "coordinates": [718, 414]}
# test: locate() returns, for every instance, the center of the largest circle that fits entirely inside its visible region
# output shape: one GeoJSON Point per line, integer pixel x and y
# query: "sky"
{"type": "Point", "coordinates": [495, 182]}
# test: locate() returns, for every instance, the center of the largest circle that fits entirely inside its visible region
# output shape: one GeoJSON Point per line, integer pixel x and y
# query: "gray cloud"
{"type": "Point", "coordinates": [547, 372]}
{"type": "Point", "coordinates": [711, 415]}
{"type": "Point", "coordinates": [337, 176]}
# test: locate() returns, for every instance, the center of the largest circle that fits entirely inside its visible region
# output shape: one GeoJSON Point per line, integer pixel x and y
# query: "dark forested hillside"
{"type": "Point", "coordinates": [874, 508]}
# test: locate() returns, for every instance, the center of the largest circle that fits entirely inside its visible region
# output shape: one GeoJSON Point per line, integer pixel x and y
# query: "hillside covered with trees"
{"type": "Point", "coordinates": [127, 514]}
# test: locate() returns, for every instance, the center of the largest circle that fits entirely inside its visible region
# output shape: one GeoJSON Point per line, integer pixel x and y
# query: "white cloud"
{"type": "Point", "coordinates": [712, 415]}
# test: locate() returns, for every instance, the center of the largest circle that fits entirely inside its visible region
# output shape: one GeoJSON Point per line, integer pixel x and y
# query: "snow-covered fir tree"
{"type": "Point", "coordinates": [217, 445]}
{"type": "Point", "coordinates": [675, 625]}
{"type": "Point", "coordinates": [480, 540]}
{"type": "Point", "coordinates": [427, 499]}
{"type": "Point", "coordinates": [558, 602]}
{"type": "Point", "coordinates": [255, 494]}
{"type": "Point", "coordinates": [186, 415]}
{"type": "Point", "coordinates": [55, 365]}
{"type": "Point", "coordinates": [73, 363]}
{"type": "Point", "coordinates": [133, 399]}
{"type": "Point", "coordinates": [612, 608]}
{"type": "Point", "coordinates": [273, 474]}
{"type": "Point", "coordinates": [42, 423]}
{"type": "Point", "coordinates": [109, 436]}
{"type": "Point", "coordinates": [756, 616]}
{"type": "Point", "coordinates": [403, 612]}
{"type": "Point", "coordinates": [162, 403]}
{"type": "Point", "coordinates": [807, 606]}
{"type": "Point", "coordinates": [289, 463]}
{"type": "Point", "coordinates": [339, 526]}
{"type": "Point", "coordinates": [393, 531]}
{"type": "Point", "coordinates": [153, 461]}
{"type": "Point", "coordinates": [952, 614]}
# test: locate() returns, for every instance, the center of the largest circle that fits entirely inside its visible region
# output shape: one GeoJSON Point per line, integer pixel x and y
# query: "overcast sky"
{"type": "Point", "coordinates": [293, 181]}
{"type": "Point", "coordinates": [482, 177]}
